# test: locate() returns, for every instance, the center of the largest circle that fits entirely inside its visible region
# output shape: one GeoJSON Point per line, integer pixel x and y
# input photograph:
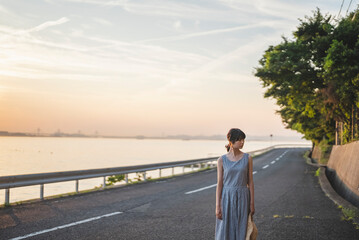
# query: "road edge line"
{"type": "Point", "coordinates": [65, 226]}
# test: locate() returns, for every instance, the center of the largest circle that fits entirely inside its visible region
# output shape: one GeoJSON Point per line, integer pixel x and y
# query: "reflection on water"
{"type": "Point", "coordinates": [25, 155]}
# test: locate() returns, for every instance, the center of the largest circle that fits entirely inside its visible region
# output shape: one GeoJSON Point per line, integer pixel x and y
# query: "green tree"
{"type": "Point", "coordinates": [291, 72]}
{"type": "Point", "coordinates": [314, 77]}
{"type": "Point", "coordinates": [341, 73]}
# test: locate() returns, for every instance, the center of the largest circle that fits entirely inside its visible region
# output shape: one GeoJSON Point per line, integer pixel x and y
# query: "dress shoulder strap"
{"type": "Point", "coordinates": [224, 159]}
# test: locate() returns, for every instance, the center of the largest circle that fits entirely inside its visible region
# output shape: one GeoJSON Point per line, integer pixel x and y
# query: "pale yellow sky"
{"type": "Point", "coordinates": [141, 68]}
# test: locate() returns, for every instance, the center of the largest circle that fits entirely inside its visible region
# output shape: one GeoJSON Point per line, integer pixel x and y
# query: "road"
{"type": "Point", "coordinates": [289, 205]}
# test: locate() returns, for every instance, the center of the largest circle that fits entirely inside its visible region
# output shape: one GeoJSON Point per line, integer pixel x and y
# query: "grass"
{"type": "Point", "coordinates": [350, 215]}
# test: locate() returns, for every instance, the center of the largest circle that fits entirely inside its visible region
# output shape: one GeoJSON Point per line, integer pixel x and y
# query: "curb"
{"type": "Point", "coordinates": [329, 191]}
{"type": "Point", "coordinates": [333, 195]}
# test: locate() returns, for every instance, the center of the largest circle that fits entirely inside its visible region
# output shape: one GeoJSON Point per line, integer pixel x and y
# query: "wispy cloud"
{"type": "Point", "coordinates": [9, 31]}
{"type": "Point", "coordinates": [177, 25]}
{"type": "Point", "coordinates": [114, 60]}
{"type": "Point", "coordinates": [48, 24]}
{"type": "Point", "coordinates": [103, 21]}
{"type": "Point", "coordinates": [211, 32]}
{"type": "Point", "coordinates": [166, 8]}
{"type": "Point", "coordinates": [4, 10]}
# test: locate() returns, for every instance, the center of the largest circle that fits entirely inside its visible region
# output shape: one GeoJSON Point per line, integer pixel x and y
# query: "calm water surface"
{"type": "Point", "coordinates": [25, 155]}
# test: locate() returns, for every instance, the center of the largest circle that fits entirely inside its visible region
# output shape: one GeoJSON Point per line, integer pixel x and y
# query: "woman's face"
{"type": "Point", "coordinates": [238, 144]}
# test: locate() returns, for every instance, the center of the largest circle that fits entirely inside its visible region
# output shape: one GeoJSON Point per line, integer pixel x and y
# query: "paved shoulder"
{"type": "Point", "coordinates": [291, 205]}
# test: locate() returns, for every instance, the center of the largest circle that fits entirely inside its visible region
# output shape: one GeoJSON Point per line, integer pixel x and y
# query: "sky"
{"type": "Point", "coordinates": [145, 67]}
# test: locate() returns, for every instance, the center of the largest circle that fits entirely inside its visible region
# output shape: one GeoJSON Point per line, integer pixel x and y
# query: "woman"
{"type": "Point", "coordinates": [235, 189]}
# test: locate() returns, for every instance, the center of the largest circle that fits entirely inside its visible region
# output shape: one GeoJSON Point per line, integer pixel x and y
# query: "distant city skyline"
{"type": "Point", "coordinates": [178, 136]}
{"type": "Point", "coordinates": [150, 68]}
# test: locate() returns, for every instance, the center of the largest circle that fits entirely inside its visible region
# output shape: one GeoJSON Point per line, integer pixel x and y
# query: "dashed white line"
{"type": "Point", "coordinates": [272, 162]}
{"type": "Point", "coordinates": [65, 226]}
{"type": "Point", "coordinates": [277, 159]}
{"type": "Point", "coordinates": [204, 188]}
{"type": "Point", "coordinates": [265, 166]}
{"type": "Point", "coordinates": [201, 189]}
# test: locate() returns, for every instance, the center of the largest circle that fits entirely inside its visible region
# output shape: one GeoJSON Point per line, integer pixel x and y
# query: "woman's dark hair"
{"type": "Point", "coordinates": [234, 135]}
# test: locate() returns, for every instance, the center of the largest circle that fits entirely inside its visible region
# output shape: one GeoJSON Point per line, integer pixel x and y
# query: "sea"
{"type": "Point", "coordinates": [27, 155]}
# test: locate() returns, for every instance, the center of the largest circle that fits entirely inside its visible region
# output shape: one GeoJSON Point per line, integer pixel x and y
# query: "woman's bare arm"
{"type": "Point", "coordinates": [251, 184]}
{"type": "Point", "coordinates": [219, 188]}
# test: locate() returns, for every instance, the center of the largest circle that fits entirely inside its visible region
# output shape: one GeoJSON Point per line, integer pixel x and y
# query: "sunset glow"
{"type": "Point", "coordinates": [141, 67]}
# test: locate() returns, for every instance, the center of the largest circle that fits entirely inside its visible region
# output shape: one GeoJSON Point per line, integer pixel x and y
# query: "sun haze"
{"type": "Point", "coordinates": [148, 67]}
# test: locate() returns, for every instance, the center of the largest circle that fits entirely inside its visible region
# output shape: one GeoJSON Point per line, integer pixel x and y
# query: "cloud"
{"type": "Point", "coordinates": [23, 32]}
{"type": "Point", "coordinates": [102, 21]}
{"type": "Point", "coordinates": [4, 10]}
{"type": "Point", "coordinates": [177, 25]}
{"type": "Point", "coordinates": [189, 83]}
{"type": "Point", "coordinates": [245, 6]}
{"type": "Point", "coordinates": [211, 32]}
{"type": "Point", "coordinates": [166, 8]}
{"type": "Point", "coordinates": [268, 8]}
{"type": "Point", "coordinates": [114, 60]}
{"type": "Point", "coordinates": [45, 25]}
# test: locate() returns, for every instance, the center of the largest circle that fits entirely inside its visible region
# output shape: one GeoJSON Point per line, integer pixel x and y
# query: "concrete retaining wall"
{"type": "Point", "coordinates": [344, 160]}
{"type": "Point", "coordinates": [316, 153]}
{"type": "Point", "coordinates": [319, 156]}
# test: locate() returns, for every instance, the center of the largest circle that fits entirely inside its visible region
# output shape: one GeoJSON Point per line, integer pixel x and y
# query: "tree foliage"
{"type": "Point", "coordinates": [314, 77]}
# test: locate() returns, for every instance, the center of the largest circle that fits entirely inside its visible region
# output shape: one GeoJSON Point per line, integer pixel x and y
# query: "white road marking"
{"type": "Point", "coordinates": [265, 166]}
{"type": "Point", "coordinates": [277, 159]}
{"type": "Point", "coordinates": [65, 226]}
{"type": "Point", "coordinates": [272, 162]}
{"type": "Point", "coordinates": [254, 172]}
{"type": "Point", "coordinates": [201, 189]}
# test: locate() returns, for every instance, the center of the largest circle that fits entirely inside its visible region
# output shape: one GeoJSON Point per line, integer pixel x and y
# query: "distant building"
{"type": "Point", "coordinates": [4, 133]}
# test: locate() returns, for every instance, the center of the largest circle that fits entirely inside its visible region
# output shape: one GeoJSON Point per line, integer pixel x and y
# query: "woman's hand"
{"type": "Point", "coordinates": [219, 212]}
{"type": "Point", "coordinates": [252, 209]}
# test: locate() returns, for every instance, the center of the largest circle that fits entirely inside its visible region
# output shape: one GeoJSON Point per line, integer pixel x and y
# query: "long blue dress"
{"type": "Point", "coordinates": [235, 200]}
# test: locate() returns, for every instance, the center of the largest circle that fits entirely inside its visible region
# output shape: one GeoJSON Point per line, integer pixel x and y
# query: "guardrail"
{"type": "Point", "coordinates": [8, 182]}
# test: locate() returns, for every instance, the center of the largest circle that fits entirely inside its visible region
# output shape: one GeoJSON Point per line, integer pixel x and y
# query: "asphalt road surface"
{"type": "Point", "coordinates": [288, 199]}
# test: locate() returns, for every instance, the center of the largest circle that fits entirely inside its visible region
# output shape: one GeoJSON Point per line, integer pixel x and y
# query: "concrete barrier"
{"type": "Point", "coordinates": [343, 171]}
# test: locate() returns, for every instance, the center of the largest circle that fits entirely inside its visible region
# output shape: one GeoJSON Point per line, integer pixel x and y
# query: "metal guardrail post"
{"type": "Point", "coordinates": [7, 196]}
{"type": "Point", "coordinates": [144, 177]}
{"type": "Point", "coordinates": [77, 186]}
{"type": "Point", "coordinates": [104, 182]}
{"type": "Point", "coordinates": [160, 172]}
{"type": "Point", "coordinates": [126, 178]}
{"type": "Point", "coordinates": [42, 191]}
{"type": "Point", "coordinates": [173, 171]}
{"type": "Point", "coordinates": [183, 169]}
{"type": "Point", "coordinates": [192, 167]}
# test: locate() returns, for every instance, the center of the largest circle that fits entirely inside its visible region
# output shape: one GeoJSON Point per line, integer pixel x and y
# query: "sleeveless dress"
{"type": "Point", "coordinates": [235, 200]}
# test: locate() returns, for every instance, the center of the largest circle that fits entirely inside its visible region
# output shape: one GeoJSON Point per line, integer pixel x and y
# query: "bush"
{"type": "Point", "coordinates": [111, 180]}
